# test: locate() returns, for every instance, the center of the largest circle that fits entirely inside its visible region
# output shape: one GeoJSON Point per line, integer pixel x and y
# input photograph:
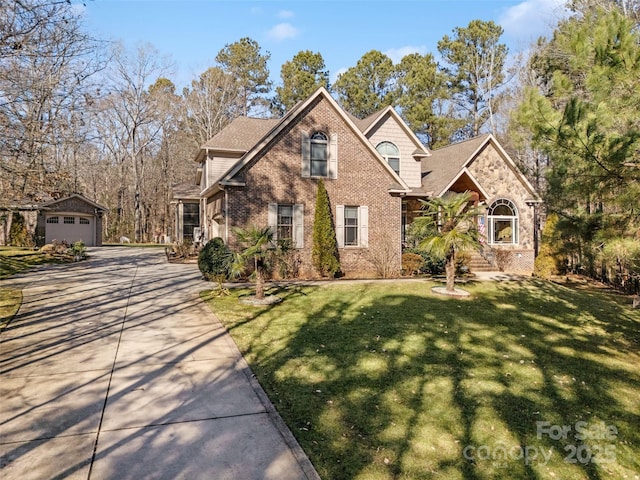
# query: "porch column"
{"type": "Point", "coordinates": [179, 221]}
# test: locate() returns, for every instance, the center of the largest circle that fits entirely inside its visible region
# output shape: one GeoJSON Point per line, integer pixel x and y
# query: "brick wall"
{"type": "Point", "coordinates": [275, 177]}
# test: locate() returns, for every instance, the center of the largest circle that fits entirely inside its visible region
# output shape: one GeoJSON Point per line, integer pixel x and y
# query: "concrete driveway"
{"type": "Point", "coordinates": [115, 369]}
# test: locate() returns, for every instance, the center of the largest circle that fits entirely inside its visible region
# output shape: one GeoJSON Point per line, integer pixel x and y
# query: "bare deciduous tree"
{"type": "Point", "coordinates": [136, 116]}
{"type": "Point", "coordinates": [46, 63]}
{"type": "Point", "coordinates": [210, 104]}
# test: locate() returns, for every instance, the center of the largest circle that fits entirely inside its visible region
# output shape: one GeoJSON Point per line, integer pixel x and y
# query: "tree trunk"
{"type": "Point", "coordinates": [259, 283]}
{"type": "Point", "coordinates": [450, 270]}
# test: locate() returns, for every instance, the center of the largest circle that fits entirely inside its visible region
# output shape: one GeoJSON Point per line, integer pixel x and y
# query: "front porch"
{"type": "Point", "coordinates": [502, 234]}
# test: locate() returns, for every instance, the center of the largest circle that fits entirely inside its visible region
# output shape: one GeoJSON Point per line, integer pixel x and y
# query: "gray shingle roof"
{"type": "Point", "coordinates": [241, 134]}
{"type": "Point", "coordinates": [186, 190]}
{"type": "Point", "coordinates": [75, 195]}
{"type": "Point", "coordinates": [445, 164]}
{"type": "Point", "coordinates": [366, 122]}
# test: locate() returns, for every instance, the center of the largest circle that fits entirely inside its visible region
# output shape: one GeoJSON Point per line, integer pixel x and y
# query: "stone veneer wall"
{"type": "Point", "coordinates": [362, 180]}
{"type": "Point", "coordinates": [500, 181]}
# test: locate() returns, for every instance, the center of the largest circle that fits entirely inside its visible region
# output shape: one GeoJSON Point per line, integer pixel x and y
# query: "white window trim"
{"type": "Point", "coordinates": [332, 156]}
{"type": "Point", "coordinates": [363, 226]}
{"type": "Point", "coordinates": [513, 219]}
{"type": "Point", "coordinates": [387, 157]}
{"type": "Point", "coordinates": [298, 222]}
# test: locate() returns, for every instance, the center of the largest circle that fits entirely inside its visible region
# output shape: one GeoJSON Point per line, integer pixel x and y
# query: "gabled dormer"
{"type": "Point", "coordinates": [396, 143]}
{"type": "Point", "coordinates": [228, 146]}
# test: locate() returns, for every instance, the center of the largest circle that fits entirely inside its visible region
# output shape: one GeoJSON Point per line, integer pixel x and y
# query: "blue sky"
{"type": "Point", "coordinates": [192, 32]}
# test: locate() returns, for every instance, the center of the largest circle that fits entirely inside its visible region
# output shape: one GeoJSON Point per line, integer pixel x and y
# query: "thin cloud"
{"type": "Point", "coordinates": [396, 54]}
{"type": "Point", "coordinates": [283, 31]}
{"type": "Point", "coordinates": [528, 20]}
{"type": "Point", "coordinates": [285, 14]}
{"type": "Point", "coordinates": [335, 75]}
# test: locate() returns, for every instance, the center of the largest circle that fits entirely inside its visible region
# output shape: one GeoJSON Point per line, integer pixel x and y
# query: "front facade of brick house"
{"type": "Point", "coordinates": [265, 172]}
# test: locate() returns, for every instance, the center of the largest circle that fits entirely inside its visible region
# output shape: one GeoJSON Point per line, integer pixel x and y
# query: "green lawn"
{"type": "Point", "coordinates": [10, 300]}
{"type": "Point", "coordinates": [15, 260]}
{"type": "Point", "coordinates": [387, 381]}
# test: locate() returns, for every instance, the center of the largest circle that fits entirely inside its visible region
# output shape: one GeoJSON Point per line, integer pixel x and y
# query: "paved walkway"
{"type": "Point", "coordinates": [115, 369]}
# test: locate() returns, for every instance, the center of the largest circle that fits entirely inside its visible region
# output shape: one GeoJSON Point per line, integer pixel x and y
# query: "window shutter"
{"type": "Point", "coordinates": [306, 155]}
{"type": "Point", "coordinates": [272, 219]}
{"type": "Point", "coordinates": [298, 225]}
{"type": "Point", "coordinates": [340, 225]}
{"type": "Point", "coordinates": [363, 222]}
{"type": "Point", "coordinates": [333, 156]}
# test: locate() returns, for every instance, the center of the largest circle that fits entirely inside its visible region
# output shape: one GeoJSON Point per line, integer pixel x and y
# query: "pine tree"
{"type": "Point", "coordinates": [583, 114]}
{"type": "Point", "coordinates": [474, 59]}
{"type": "Point", "coordinates": [325, 248]}
{"type": "Point", "coordinates": [301, 76]}
{"type": "Point", "coordinates": [369, 86]}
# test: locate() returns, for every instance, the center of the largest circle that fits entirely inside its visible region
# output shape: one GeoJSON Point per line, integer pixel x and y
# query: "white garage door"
{"type": "Point", "coordinates": [70, 228]}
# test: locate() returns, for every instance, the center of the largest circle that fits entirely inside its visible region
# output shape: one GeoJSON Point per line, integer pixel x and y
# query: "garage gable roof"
{"type": "Point", "coordinates": [95, 205]}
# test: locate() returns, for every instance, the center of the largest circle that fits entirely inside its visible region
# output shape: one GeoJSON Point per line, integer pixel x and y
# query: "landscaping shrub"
{"type": "Point", "coordinates": [78, 250]}
{"type": "Point", "coordinates": [213, 260]}
{"type": "Point", "coordinates": [325, 249]}
{"type": "Point", "coordinates": [430, 265]}
{"type": "Point", "coordinates": [183, 249]}
{"type": "Point", "coordinates": [287, 259]}
{"type": "Point", "coordinates": [411, 263]}
{"type": "Point", "coordinates": [548, 262]}
{"type": "Point", "coordinates": [18, 234]}
{"type": "Point", "coordinates": [56, 247]}
{"type": "Point", "coordinates": [384, 258]}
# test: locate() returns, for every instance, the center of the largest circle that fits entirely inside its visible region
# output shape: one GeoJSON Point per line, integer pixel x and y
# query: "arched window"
{"type": "Point", "coordinates": [391, 154]}
{"type": "Point", "coordinates": [502, 218]}
{"type": "Point", "coordinates": [319, 154]}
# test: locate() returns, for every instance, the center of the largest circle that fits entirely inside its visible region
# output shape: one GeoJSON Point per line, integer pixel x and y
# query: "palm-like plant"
{"type": "Point", "coordinates": [451, 223]}
{"type": "Point", "coordinates": [256, 245]}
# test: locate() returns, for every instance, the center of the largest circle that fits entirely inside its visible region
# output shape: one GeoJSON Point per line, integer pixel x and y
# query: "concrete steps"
{"type": "Point", "coordinates": [479, 264]}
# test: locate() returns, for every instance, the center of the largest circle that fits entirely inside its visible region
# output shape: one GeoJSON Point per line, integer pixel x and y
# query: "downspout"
{"type": "Point", "coordinates": [226, 216]}
{"type": "Point", "coordinates": [95, 227]}
{"type": "Point", "coordinates": [203, 220]}
{"type": "Point", "coordinates": [536, 226]}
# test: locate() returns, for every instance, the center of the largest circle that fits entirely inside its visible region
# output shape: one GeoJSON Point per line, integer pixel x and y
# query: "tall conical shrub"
{"type": "Point", "coordinates": [18, 233]}
{"type": "Point", "coordinates": [549, 261]}
{"type": "Point", "coordinates": [325, 248]}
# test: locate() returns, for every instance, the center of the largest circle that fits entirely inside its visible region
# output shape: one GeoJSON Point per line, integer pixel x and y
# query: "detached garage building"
{"type": "Point", "coordinates": [71, 219]}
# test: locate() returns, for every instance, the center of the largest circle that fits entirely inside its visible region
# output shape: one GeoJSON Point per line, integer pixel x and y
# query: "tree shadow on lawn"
{"type": "Point", "coordinates": [387, 384]}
